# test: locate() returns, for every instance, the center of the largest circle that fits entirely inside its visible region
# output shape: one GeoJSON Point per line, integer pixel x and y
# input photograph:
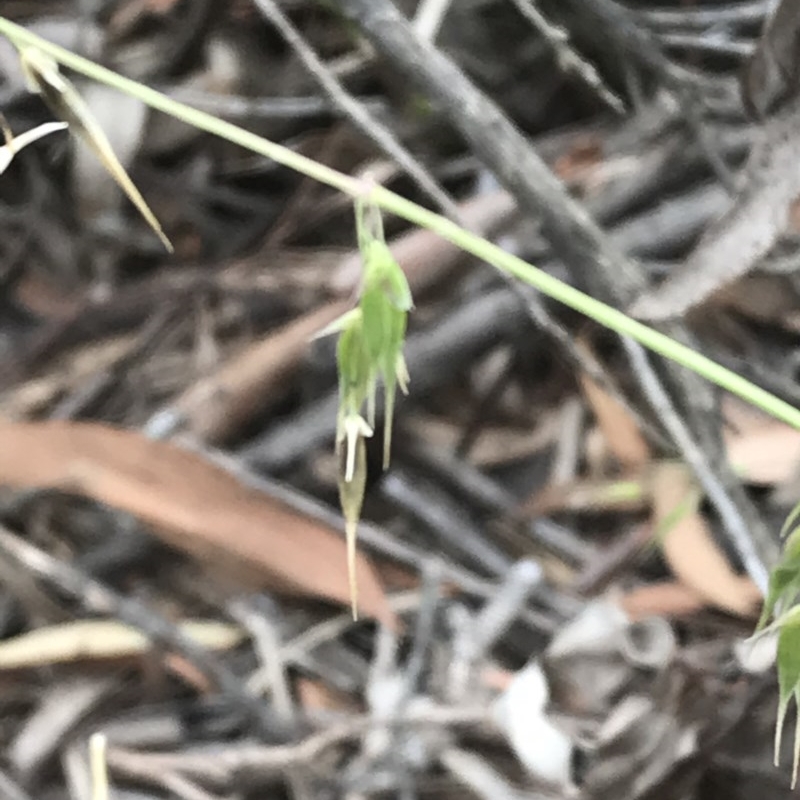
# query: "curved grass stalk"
{"type": "Point", "coordinates": [389, 201]}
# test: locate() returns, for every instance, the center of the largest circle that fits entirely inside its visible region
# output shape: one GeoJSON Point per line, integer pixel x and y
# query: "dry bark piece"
{"type": "Point", "coordinates": [771, 75]}
{"type": "Point", "coordinates": [734, 244]}
{"type": "Point", "coordinates": [193, 505]}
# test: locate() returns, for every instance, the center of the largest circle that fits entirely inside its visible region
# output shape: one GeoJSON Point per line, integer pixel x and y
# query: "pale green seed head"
{"type": "Point", "coordinates": [369, 351]}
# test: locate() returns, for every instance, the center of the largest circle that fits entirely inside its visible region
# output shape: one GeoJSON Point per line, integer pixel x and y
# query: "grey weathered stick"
{"type": "Point", "coordinates": [748, 231]}
{"type": "Point", "coordinates": [567, 57]}
{"type": "Point", "coordinates": [356, 112]}
{"type": "Point", "coordinates": [476, 773]}
{"type": "Point", "coordinates": [693, 454]}
{"type": "Point", "coordinates": [617, 24]}
{"type": "Point", "coordinates": [735, 244]}
{"type": "Point", "coordinates": [599, 266]}
{"type": "Point", "coordinates": [97, 598]}
{"type": "Point", "coordinates": [771, 77]}
{"type": "Point", "coordinates": [244, 762]}
{"type": "Point", "coordinates": [501, 610]}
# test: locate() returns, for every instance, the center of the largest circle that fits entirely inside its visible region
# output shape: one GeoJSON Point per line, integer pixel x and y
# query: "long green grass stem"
{"type": "Point", "coordinates": [389, 201]}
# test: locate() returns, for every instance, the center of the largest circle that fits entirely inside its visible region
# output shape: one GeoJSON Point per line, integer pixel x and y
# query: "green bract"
{"type": "Point", "coordinates": [780, 606]}
{"type": "Point", "coordinates": [369, 351]}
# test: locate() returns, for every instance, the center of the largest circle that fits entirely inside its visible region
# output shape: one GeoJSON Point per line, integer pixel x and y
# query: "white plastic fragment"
{"type": "Point", "coordinates": [758, 653]}
{"type": "Point", "coordinates": [542, 748]}
{"type": "Point", "coordinates": [599, 628]}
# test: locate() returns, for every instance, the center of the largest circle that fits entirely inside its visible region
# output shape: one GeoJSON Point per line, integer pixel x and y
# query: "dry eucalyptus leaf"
{"type": "Point", "coordinates": [619, 427]}
{"type": "Point", "coordinates": [766, 455]}
{"type": "Point", "coordinates": [663, 599]}
{"type": "Point", "coordinates": [690, 549]}
{"type": "Point", "coordinates": [192, 504]}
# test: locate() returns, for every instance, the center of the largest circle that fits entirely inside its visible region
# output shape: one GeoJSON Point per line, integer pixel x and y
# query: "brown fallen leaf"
{"type": "Point", "coordinates": [192, 504]}
{"type": "Point", "coordinates": [688, 546]}
{"type": "Point", "coordinates": [740, 415]}
{"type": "Point", "coordinates": [316, 696]}
{"type": "Point", "coordinates": [619, 428]}
{"type": "Point", "coordinates": [762, 450]}
{"type": "Point", "coordinates": [188, 673]}
{"type": "Point", "coordinates": [663, 599]}
{"type": "Point", "coordinates": [43, 298]}
{"type": "Point", "coordinates": [580, 160]}
{"type": "Point", "coordinates": [766, 455]}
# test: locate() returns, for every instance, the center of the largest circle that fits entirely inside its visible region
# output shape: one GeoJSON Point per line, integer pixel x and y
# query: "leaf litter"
{"type": "Point", "coordinates": [547, 603]}
{"type": "Point", "coordinates": [191, 503]}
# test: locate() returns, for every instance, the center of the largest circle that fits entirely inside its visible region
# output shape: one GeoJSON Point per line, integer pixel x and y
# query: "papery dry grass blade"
{"type": "Point", "coordinates": [15, 143]}
{"type": "Point", "coordinates": [99, 639]}
{"type": "Point", "coordinates": [45, 78]}
{"type": "Point", "coordinates": [689, 548]}
{"type": "Point", "coordinates": [591, 494]}
{"type": "Point", "coordinates": [192, 505]}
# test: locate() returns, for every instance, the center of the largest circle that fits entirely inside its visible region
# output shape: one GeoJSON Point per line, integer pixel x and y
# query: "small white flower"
{"type": "Point", "coordinates": [352, 428]}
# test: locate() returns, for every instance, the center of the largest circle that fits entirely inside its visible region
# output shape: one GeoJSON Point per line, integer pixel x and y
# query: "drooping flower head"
{"type": "Point", "coordinates": [369, 352]}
